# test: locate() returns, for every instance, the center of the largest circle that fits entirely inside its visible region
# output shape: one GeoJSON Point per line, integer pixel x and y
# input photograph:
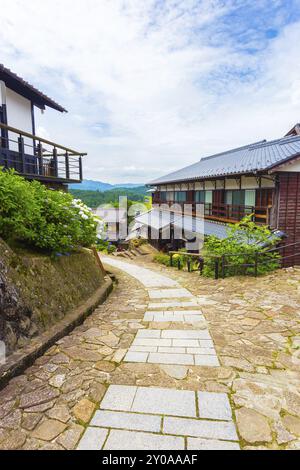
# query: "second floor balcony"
{"type": "Point", "coordinates": [36, 158]}
{"type": "Point", "coordinates": [228, 213]}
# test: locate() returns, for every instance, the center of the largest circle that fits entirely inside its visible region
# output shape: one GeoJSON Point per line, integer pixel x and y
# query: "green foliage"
{"type": "Point", "coordinates": [43, 218]}
{"type": "Point", "coordinates": [162, 259]}
{"type": "Point", "coordinates": [105, 246]}
{"type": "Point", "coordinates": [243, 244]}
{"type": "Point", "coordinates": [96, 198]}
{"type": "Point", "coordinates": [136, 242]}
{"type": "Point", "coordinates": [183, 258]}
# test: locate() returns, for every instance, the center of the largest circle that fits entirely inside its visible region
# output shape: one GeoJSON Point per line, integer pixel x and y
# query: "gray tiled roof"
{"type": "Point", "coordinates": [160, 219]}
{"type": "Point", "coordinates": [252, 158]}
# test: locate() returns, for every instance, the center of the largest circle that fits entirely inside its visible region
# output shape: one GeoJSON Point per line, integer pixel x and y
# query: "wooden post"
{"type": "Point", "coordinates": [201, 265]}
{"type": "Point", "coordinates": [217, 268]}
{"type": "Point", "coordinates": [189, 265]}
{"type": "Point", "coordinates": [80, 168]}
{"type": "Point", "coordinates": [67, 166]}
{"type": "Point", "coordinates": [223, 266]}
{"type": "Point", "coordinates": [178, 264]}
{"type": "Point", "coordinates": [40, 159]}
{"type": "Point", "coordinates": [22, 153]}
{"type": "Point", "coordinates": [171, 260]}
{"type": "Point", "coordinates": [55, 165]}
{"type": "Point", "coordinates": [99, 262]}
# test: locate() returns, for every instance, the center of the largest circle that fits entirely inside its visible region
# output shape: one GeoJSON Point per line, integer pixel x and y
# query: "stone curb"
{"type": "Point", "coordinates": [25, 357]}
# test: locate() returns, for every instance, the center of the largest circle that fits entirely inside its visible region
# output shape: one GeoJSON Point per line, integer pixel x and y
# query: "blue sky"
{"type": "Point", "coordinates": [154, 85]}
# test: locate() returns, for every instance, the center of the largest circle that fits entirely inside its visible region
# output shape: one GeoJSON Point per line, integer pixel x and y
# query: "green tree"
{"type": "Point", "coordinates": [246, 242]}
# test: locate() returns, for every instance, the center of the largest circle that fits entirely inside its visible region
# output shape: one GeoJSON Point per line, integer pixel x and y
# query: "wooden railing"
{"type": "Point", "coordinates": [288, 255]}
{"type": "Point", "coordinates": [38, 158]}
{"type": "Point", "coordinates": [224, 212]}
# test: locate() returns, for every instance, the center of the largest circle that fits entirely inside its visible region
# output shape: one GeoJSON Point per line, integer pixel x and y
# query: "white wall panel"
{"type": "Point", "coordinates": [19, 116]}
{"type": "Point", "coordinates": [231, 183]}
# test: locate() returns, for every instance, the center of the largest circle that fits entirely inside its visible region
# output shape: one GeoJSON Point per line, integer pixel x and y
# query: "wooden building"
{"type": "Point", "coordinates": [20, 148]}
{"type": "Point", "coordinates": [262, 179]}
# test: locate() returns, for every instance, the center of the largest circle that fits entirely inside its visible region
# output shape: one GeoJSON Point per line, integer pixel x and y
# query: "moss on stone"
{"type": "Point", "coordinates": [47, 287]}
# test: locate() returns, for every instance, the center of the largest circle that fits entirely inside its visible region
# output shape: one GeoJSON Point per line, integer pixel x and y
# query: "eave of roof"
{"type": "Point", "coordinates": [253, 159]}
{"type": "Point", "coordinates": [20, 86]}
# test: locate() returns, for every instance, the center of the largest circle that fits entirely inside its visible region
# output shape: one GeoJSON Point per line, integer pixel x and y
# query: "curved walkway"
{"type": "Point", "coordinates": [137, 417]}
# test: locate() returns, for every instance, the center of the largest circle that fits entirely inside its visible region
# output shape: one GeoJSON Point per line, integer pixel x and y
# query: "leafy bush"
{"type": "Point", "coordinates": [105, 246]}
{"type": "Point", "coordinates": [245, 242]}
{"type": "Point", "coordinates": [43, 218]}
{"type": "Point", "coordinates": [136, 242]}
{"type": "Point", "coordinates": [162, 259]}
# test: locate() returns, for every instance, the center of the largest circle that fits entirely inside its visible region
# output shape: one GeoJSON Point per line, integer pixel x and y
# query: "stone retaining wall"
{"type": "Point", "coordinates": [36, 291]}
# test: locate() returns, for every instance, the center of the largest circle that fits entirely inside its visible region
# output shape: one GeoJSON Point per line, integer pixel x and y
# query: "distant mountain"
{"type": "Point", "coordinates": [128, 185]}
{"type": "Point", "coordinates": [90, 185]}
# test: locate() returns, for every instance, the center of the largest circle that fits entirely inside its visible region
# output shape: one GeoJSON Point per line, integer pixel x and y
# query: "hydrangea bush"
{"type": "Point", "coordinates": [44, 218]}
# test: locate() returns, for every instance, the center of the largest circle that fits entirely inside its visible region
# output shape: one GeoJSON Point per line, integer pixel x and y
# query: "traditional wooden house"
{"type": "Point", "coordinates": [262, 179]}
{"type": "Point", "coordinates": [20, 148]}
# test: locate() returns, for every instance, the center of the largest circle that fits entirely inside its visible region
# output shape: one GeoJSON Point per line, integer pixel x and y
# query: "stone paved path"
{"type": "Point", "coordinates": [254, 325]}
{"type": "Point", "coordinates": [132, 417]}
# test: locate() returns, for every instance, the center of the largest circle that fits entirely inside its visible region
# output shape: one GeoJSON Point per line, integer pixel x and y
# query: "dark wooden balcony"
{"type": "Point", "coordinates": [234, 213]}
{"type": "Point", "coordinates": [227, 213]}
{"type": "Point", "coordinates": [38, 158]}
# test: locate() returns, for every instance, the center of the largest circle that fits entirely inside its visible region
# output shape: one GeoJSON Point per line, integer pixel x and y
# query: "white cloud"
{"type": "Point", "coordinates": [151, 85]}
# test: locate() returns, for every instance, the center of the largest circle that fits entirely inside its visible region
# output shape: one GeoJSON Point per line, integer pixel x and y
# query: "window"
{"type": "Point", "coordinates": [163, 196]}
{"type": "Point", "coordinates": [238, 198]}
{"type": "Point", "coordinates": [208, 197]}
{"type": "Point", "coordinates": [250, 197]}
{"type": "Point", "coordinates": [200, 196]}
{"type": "Point", "coordinates": [170, 196]}
{"type": "Point", "coordinates": [228, 197]}
{"type": "Point", "coordinates": [180, 196]}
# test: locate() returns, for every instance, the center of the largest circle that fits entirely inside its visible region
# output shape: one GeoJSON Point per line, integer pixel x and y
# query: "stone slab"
{"type": "Point", "coordinates": [169, 304]}
{"type": "Point", "coordinates": [200, 428]}
{"type": "Point", "coordinates": [164, 401]}
{"type": "Point", "coordinates": [167, 358]}
{"type": "Point", "coordinates": [152, 342]}
{"type": "Point", "coordinates": [214, 406]}
{"type": "Point", "coordinates": [134, 356]}
{"type": "Point", "coordinates": [206, 360]}
{"type": "Point", "coordinates": [185, 334]}
{"type": "Point", "coordinates": [93, 439]}
{"type": "Point", "coordinates": [194, 443]}
{"type": "Point", "coordinates": [119, 397]}
{"type": "Point", "coordinates": [169, 293]}
{"type": "Point", "coordinates": [129, 440]}
{"type": "Point", "coordinates": [129, 421]}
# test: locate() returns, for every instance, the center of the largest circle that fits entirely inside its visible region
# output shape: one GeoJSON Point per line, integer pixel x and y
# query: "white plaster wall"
{"type": "Point", "coordinates": [199, 185]}
{"type": "Point", "coordinates": [19, 116]}
{"type": "Point", "coordinates": [231, 184]}
{"type": "Point", "coordinates": [249, 182]}
{"type": "Point", "coordinates": [209, 185]}
{"type": "Point", "coordinates": [267, 183]}
{"type": "Point", "coordinates": [292, 167]}
{"type": "Point", "coordinates": [220, 184]}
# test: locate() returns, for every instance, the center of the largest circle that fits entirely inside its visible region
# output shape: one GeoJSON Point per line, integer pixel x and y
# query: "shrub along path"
{"type": "Point", "coordinates": [86, 391]}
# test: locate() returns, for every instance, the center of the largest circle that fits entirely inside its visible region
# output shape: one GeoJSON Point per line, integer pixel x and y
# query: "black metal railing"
{"type": "Point", "coordinates": [38, 158]}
